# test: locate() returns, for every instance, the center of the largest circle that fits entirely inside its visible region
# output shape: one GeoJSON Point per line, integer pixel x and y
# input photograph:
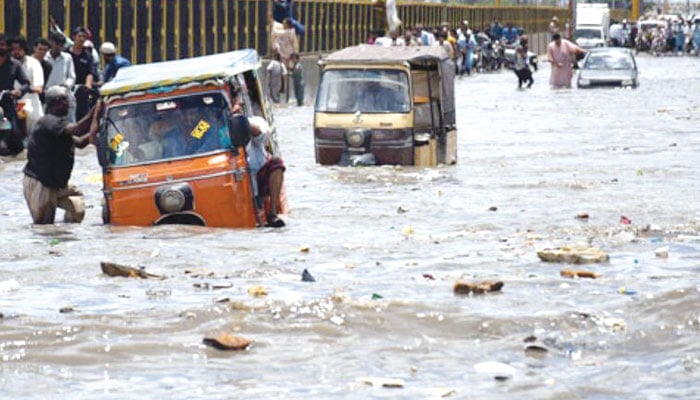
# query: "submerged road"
{"type": "Point", "coordinates": [386, 246]}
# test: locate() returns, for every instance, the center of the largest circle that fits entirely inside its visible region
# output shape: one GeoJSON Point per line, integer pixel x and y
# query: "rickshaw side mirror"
{"type": "Point", "coordinates": [239, 130]}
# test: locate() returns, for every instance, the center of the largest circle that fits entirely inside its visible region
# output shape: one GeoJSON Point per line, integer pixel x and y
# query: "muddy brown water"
{"type": "Point", "coordinates": [376, 238]}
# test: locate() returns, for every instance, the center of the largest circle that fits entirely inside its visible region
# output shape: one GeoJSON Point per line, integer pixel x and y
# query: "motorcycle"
{"type": "Point", "coordinates": [11, 141]}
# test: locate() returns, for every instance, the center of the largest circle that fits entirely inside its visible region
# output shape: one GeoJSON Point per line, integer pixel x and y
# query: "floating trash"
{"type": "Point", "coordinates": [573, 255]}
{"type": "Point", "coordinates": [226, 341]}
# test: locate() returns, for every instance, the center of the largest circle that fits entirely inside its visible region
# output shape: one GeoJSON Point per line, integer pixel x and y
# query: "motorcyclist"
{"type": "Point", "coordinates": [11, 72]}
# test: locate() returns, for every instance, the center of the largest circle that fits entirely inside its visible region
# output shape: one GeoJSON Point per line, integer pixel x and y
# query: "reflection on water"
{"type": "Point", "coordinates": [385, 246]}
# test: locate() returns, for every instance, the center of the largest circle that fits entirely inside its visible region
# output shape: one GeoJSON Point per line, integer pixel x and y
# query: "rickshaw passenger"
{"type": "Point", "coordinates": [373, 99]}
{"type": "Point", "coordinates": [158, 131]}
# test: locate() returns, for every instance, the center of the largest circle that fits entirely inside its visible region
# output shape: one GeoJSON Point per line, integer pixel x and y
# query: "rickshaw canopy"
{"type": "Point", "coordinates": [142, 77]}
{"type": "Point", "coordinates": [370, 54]}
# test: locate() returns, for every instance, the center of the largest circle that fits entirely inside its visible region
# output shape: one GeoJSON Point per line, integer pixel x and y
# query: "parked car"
{"type": "Point", "coordinates": [608, 66]}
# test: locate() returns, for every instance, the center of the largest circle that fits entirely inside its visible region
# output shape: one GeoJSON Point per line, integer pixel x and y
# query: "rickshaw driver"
{"type": "Point", "coordinates": [374, 98]}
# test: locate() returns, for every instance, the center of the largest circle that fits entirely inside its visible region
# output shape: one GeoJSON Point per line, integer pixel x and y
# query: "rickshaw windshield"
{"type": "Point", "coordinates": [167, 128]}
{"type": "Point", "coordinates": [368, 91]}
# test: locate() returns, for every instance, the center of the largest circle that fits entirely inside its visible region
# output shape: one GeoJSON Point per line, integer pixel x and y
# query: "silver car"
{"type": "Point", "coordinates": [608, 67]}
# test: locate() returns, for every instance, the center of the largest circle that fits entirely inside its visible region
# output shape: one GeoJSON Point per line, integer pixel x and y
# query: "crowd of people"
{"type": "Point", "coordinates": [676, 35]}
{"type": "Point", "coordinates": [466, 46]}
{"type": "Point", "coordinates": [29, 70]}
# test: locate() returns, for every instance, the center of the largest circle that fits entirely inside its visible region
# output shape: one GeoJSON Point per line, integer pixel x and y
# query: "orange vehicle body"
{"type": "Point", "coordinates": [212, 188]}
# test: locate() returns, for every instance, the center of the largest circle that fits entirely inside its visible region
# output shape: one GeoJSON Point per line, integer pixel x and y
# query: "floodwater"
{"type": "Point", "coordinates": [386, 246]}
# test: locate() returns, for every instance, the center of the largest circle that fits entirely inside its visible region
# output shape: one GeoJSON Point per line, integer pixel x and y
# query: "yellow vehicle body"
{"type": "Point", "coordinates": [386, 105]}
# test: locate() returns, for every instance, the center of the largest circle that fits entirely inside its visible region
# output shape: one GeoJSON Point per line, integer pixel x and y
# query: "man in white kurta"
{"type": "Point", "coordinates": [32, 67]}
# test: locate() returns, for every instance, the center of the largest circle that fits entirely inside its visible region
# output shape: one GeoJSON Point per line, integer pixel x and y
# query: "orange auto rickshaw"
{"type": "Point", "coordinates": [170, 150]}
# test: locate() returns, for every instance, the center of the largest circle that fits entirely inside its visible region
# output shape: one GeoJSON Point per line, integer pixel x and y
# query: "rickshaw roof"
{"type": "Point", "coordinates": [177, 72]}
{"type": "Point", "coordinates": [374, 54]}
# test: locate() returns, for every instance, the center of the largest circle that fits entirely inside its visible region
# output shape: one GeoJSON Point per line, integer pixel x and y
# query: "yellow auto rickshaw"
{"type": "Point", "coordinates": [386, 105]}
{"type": "Point", "coordinates": [170, 149]}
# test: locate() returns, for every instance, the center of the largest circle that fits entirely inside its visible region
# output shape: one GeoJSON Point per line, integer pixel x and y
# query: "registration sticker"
{"type": "Point", "coordinates": [201, 128]}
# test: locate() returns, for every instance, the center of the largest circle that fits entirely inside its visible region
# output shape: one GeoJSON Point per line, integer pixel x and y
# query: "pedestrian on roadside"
{"type": "Point", "coordinates": [41, 48]}
{"type": "Point", "coordinates": [50, 158]}
{"type": "Point", "coordinates": [14, 80]}
{"type": "Point", "coordinates": [113, 61]}
{"type": "Point", "coordinates": [284, 40]}
{"type": "Point", "coordinates": [561, 54]}
{"type": "Point", "coordinates": [298, 79]}
{"type": "Point", "coordinates": [32, 103]}
{"type": "Point", "coordinates": [62, 68]}
{"type": "Point", "coordinates": [521, 67]}
{"type": "Point", "coordinates": [276, 73]}
{"type": "Point", "coordinates": [85, 71]}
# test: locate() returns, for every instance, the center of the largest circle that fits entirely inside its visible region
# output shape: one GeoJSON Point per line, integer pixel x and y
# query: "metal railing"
{"type": "Point", "coordinates": [156, 30]}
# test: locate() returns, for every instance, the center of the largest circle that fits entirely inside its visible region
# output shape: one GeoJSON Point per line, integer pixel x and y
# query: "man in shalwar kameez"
{"type": "Point", "coordinates": [560, 52]}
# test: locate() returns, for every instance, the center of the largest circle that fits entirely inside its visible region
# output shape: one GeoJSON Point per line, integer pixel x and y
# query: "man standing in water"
{"type": "Point", "coordinates": [50, 157]}
{"type": "Point", "coordinates": [559, 53]}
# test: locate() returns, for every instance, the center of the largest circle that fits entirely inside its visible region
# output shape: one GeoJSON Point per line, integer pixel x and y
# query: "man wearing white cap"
{"type": "Point", "coordinates": [113, 61]}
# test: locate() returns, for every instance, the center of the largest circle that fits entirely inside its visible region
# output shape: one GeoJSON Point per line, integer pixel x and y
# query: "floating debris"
{"type": "Point", "coordinates": [226, 341]}
{"type": "Point", "coordinates": [383, 382]}
{"type": "Point", "coordinates": [307, 277]}
{"type": "Point", "coordinates": [462, 287]}
{"type": "Point", "coordinates": [574, 255]}
{"type": "Point", "coordinates": [582, 216]}
{"type": "Point", "coordinates": [113, 269]}
{"type": "Point", "coordinates": [199, 273]}
{"type": "Point", "coordinates": [66, 310]}
{"type": "Point", "coordinates": [407, 230]}
{"type": "Point", "coordinates": [662, 252]}
{"type": "Point", "coordinates": [499, 371]}
{"type": "Point", "coordinates": [304, 249]}
{"type": "Point", "coordinates": [257, 291]}
{"type": "Point", "coordinates": [439, 392]}
{"type": "Point", "coordinates": [224, 285]}
{"type": "Point", "coordinates": [571, 273]}
{"type": "Point", "coordinates": [624, 290]}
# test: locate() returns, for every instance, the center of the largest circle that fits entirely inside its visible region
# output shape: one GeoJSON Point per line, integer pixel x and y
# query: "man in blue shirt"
{"type": "Point", "coordinates": [113, 61]}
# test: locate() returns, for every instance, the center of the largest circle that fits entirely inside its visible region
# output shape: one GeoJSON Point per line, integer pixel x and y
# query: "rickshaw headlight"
{"type": "Point", "coordinates": [355, 138]}
{"type": "Point", "coordinates": [172, 200]}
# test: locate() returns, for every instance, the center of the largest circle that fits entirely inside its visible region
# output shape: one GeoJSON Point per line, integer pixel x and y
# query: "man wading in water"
{"type": "Point", "coordinates": [560, 52]}
{"type": "Point", "coordinates": [50, 157]}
